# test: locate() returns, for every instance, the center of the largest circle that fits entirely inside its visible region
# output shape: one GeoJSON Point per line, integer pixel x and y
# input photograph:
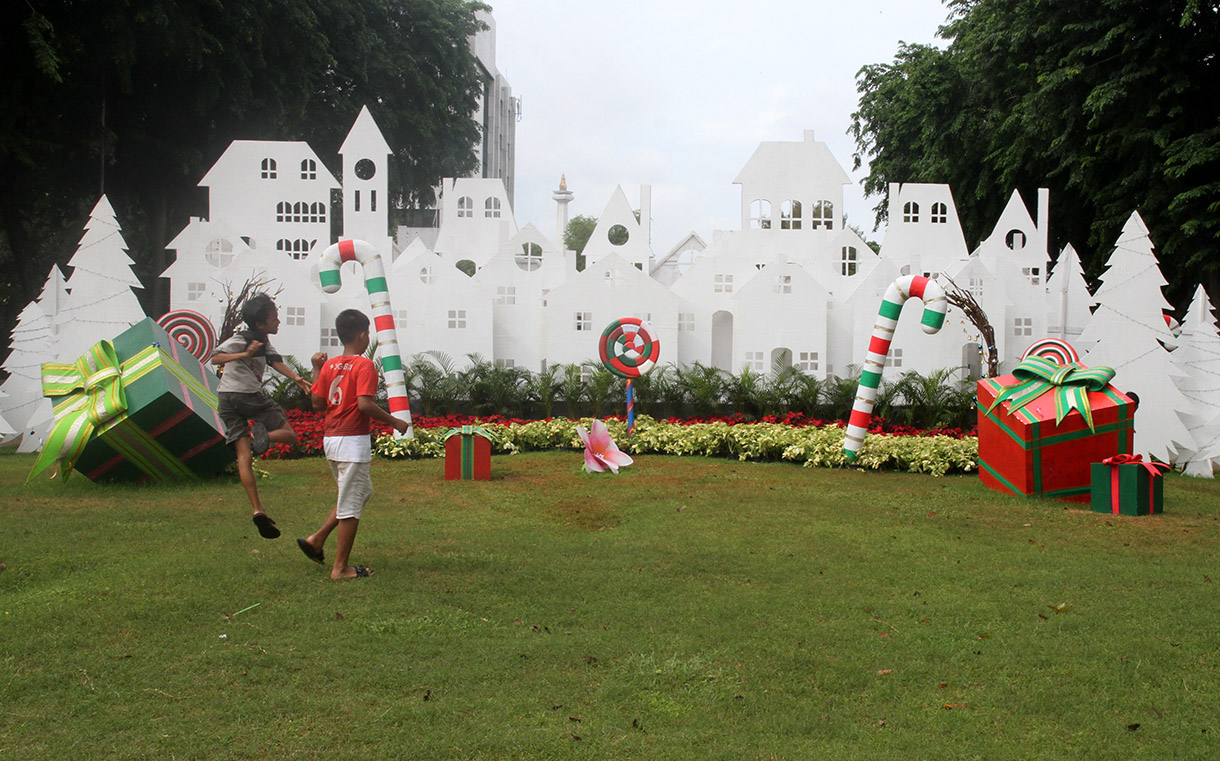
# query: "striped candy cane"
{"type": "Point", "coordinates": [383, 317]}
{"type": "Point", "coordinates": [934, 306]}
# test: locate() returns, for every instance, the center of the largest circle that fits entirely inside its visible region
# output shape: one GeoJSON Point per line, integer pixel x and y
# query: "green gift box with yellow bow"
{"type": "Point", "coordinates": [137, 408]}
{"type": "Point", "coordinates": [1042, 427]}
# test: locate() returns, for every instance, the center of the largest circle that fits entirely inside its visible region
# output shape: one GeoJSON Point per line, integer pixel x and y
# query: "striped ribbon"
{"type": "Point", "coordinates": [1069, 383]}
{"type": "Point", "coordinates": [935, 306]}
{"type": "Point", "coordinates": [367, 255]}
{"type": "Point", "coordinates": [95, 400]}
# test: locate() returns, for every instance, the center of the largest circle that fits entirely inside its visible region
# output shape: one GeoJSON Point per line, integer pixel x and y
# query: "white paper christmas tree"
{"type": "Point", "coordinates": [1198, 356]}
{"type": "Point", "coordinates": [54, 296]}
{"type": "Point", "coordinates": [1068, 299]}
{"type": "Point", "coordinates": [100, 303]}
{"type": "Point", "coordinates": [1127, 332]}
{"type": "Point", "coordinates": [31, 344]}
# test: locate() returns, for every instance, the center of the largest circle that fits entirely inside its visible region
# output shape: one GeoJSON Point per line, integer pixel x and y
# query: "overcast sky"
{"type": "Point", "coordinates": [677, 94]}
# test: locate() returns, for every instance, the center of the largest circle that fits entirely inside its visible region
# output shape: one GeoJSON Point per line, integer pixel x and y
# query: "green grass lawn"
{"type": "Point", "coordinates": [688, 608]}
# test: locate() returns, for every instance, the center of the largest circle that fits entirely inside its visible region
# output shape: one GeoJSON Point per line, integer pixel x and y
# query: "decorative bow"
{"type": "Point", "coordinates": [93, 391]}
{"type": "Point", "coordinates": [1154, 468]}
{"type": "Point", "coordinates": [467, 430]}
{"type": "Point", "coordinates": [1071, 384]}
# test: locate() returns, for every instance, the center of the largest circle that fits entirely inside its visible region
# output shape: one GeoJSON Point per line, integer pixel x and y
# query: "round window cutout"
{"type": "Point", "coordinates": [618, 235]}
{"type": "Point", "coordinates": [365, 169]}
{"type": "Point", "coordinates": [1015, 240]}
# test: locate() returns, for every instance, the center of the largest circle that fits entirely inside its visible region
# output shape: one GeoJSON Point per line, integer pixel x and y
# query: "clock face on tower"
{"type": "Point", "coordinates": [365, 169]}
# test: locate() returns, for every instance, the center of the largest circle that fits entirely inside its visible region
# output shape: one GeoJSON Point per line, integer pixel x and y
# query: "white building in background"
{"type": "Point", "coordinates": [792, 287]}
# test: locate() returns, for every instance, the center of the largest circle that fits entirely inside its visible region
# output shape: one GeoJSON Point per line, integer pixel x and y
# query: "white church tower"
{"type": "Point", "coordinates": [365, 156]}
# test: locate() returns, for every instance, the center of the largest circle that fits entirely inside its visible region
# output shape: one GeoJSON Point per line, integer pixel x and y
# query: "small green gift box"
{"type": "Point", "coordinates": [1127, 485]}
{"type": "Point", "coordinates": [138, 408]}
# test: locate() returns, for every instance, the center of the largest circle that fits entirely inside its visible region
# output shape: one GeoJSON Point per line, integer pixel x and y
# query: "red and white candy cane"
{"type": "Point", "coordinates": [934, 306]}
{"type": "Point", "coordinates": [383, 316]}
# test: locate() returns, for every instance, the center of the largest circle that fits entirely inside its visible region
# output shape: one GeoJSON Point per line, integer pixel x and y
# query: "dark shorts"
{"type": "Point", "coordinates": [237, 409]}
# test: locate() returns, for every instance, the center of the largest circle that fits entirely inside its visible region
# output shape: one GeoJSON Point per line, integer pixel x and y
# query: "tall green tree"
{"type": "Point", "coordinates": [138, 99]}
{"type": "Point", "coordinates": [1110, 104]}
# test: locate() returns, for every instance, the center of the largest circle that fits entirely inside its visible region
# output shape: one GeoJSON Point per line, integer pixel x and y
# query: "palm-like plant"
{"type": "Point", "coordinates": [705, 386]}
{"type": "Point", "coordinates": [544, 387]}
{"type": "Point", "coordinates": [571, 388]}
{"type": "Point", "coordinates": [936, 399]}
{"type": "Point", "coordinates": [495, 389]}
{"type": "Point", "coordinates": [666, 389]}
{"type": "Point", "coordinates": [839, 393]}
{"type": "Point", "coordinates": [436, 382]}
{"type": "Point", "coordinates": [601, 386]}
{"type": "Point", "coordinates": [745, 391]}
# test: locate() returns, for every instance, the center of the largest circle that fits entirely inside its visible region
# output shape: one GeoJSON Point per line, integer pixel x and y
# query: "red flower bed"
{"type": "Point", "coordinates": [308, 426]}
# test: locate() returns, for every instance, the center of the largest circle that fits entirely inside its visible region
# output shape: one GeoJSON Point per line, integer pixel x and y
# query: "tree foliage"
{"type": "Point", "coordinates": [139, 99]}
{"type": "Point", "coordinates": [1110, 104]}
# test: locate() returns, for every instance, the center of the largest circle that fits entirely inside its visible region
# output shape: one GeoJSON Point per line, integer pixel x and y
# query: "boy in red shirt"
{"type": "Point", "coordinates": [344, 387]}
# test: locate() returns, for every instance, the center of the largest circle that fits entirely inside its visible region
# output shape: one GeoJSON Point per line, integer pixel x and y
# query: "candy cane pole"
{"type": "Point", "coordinates": [630, 408]}
{"type": "Point", "coordinates": [934, 306]}
{"type": "Point", "coordinates": [383, 316]}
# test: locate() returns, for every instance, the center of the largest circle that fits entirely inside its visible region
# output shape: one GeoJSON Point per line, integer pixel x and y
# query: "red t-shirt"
{"type": "Point", "coordinates": [340, 382]}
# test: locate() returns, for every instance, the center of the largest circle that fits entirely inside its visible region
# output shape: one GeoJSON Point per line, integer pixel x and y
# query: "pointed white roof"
{"type": "Point", "coordinates": [806, 159]}
{"type": "Point", "coordinates": [365, 137]}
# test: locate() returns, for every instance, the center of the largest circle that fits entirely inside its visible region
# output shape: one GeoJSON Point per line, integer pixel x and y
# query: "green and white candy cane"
{"type": "Point", "coordinates": [367, 255]}
{"type": "Point", "coordinates": [934, 306]}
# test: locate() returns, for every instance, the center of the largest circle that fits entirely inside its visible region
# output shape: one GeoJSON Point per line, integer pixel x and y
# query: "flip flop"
{"type": "Point", "coordinates": [314, 555]}
{"type": "Point", "coordinates": [266, 526]}
{"type": "Point", "coordinates": [260, 443]}
{"type": "Point", "coordinates": [362, 572]}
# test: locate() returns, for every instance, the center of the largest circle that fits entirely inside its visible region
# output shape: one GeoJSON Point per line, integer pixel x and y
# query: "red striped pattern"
{"type": "Point", "coordinates": [347, 251]}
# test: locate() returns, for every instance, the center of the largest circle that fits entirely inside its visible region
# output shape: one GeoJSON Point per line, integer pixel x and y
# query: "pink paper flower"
{"type": "Point", "coordinates": [600, 451]}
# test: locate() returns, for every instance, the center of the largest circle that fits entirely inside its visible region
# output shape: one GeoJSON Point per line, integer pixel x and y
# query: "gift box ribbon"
{"type": "Point", "coordinates": [1155, 470]}
{"type": "Point", "coordinates": [94, 398]}
{"type": "Point", "coordinates": [468, 432]}
{"type": "Point", "coordinates": [1070, 383]}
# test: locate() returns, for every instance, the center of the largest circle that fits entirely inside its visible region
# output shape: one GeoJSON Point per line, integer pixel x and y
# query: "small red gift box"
{"type": "Point", "coordinates": [1042, 450]}
{"type": "Point", "coordinates": [467, 454]}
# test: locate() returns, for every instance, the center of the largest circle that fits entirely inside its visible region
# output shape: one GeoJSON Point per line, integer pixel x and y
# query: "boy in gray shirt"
{"type": "Point", "coordinates": [240, 396]}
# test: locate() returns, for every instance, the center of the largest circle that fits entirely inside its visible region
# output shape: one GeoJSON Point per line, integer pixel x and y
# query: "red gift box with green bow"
{"type": "Point", "coordinates": [1042, 428]}
{"type": "Point", "coordinates": [138, 408]}
{"type": "Point", "coordinates": [1127, 484]}
{"type": "Point", "coordinates": [467, 454]}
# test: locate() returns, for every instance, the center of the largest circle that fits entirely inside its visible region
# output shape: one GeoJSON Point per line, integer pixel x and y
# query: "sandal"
{"type": "Point", "coordinates": [266, 526]}
{"type": "Point", "coordinates": [314, 555]}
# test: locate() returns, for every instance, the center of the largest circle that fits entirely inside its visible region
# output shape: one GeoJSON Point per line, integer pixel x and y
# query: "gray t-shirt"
{"type": "Point", "coordinates": [243, 376]}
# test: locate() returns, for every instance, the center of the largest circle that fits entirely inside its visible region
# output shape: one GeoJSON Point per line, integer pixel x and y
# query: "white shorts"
{"type": "Point", "coordinates": [355, 487]}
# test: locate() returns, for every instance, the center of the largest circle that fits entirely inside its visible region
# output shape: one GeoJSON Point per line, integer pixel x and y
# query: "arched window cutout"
{"type": "Point", "coordinates": [760, 215]}
{"type": "Point", "coordinates": [465, 206]}
{"type": "Point", "coordinates": [910, 212]}
{"type": "Point", "coordinates": [790, 215]}
{"type": "Point", "coordinates": [268, 169]}
{"type": "Point", "coordinates": [427, 276]}
{"type": "Point", "coordinates": [491, 208]}
{"type": "Point", "coordinates": [940, 214]}
{"type": "Point", "coordinates": [822, 215]}
{"type": "Point", "coordinates": [309, 169]}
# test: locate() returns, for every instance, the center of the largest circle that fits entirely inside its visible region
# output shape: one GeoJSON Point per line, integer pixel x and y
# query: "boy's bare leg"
{"type": "Point", "coordinates": [317, 540]}
{"type": "Point", "coordinates": [245, 469]}
{"type": "Point", "coordinates": [283, 435]}
{"type": "Point", "coordinates": [346, 538]}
